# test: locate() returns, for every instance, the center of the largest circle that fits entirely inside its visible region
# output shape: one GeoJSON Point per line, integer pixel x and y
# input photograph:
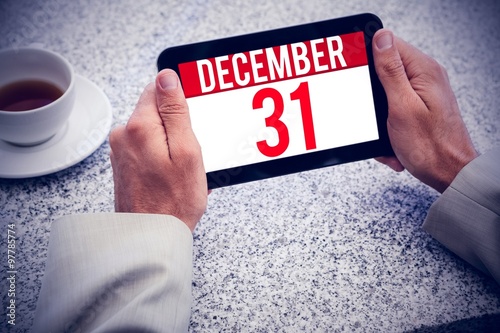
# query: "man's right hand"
{"type": "Point", "coordinates": [425, 127]}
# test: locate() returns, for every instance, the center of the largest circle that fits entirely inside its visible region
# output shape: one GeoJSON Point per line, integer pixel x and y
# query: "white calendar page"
{"type": "Point", "coordinates": [279, 102]}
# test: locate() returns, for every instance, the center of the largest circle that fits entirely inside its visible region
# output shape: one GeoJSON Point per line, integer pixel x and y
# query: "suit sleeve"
{"type": "Point", "coordinates": [466, 218]}
{"type": "Point", "coordinates": [116, 273]}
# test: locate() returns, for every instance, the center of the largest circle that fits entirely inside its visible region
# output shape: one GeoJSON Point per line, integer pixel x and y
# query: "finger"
{"type": "Point", "coordinates": [145, 128]}
{"type": "Point", "coordinates": [389, 65]}
{"type": "Point", "coordinates": [145, 110]}
{"type": "Point", "coordinates": [173, 110]}
{"type": "Point", "coordinates": [392, 162]}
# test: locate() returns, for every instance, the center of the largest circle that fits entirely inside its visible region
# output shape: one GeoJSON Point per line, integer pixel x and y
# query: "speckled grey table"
{"type": "Point", "coordinates": [337, 249]}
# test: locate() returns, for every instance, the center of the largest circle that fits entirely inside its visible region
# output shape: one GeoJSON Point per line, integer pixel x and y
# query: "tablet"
{"type": "Point", "coordinates": [277, 102]}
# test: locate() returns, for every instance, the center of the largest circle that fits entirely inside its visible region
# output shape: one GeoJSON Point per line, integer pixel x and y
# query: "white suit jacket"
{"type": "Point", "coordinates": [466, 217]}
{"type": "Point", "coordinates": [129, 273]}
{"type": "Point", "coordinates": [116, 273]}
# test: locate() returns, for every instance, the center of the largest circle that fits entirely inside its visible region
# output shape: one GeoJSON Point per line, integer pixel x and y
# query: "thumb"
{"type": "Point", "coordinates": [172, 107]}
{"type": "Point", "coordinates": [388, 64]}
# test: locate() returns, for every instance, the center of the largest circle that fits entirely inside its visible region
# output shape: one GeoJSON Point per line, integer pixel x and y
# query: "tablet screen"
{"type": "Point", "coordinates": [261, 109]}
{"type": "Point", "coordinates": [280, 101]}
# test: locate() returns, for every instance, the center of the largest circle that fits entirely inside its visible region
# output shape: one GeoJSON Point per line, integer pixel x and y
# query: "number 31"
{"type": "Point", "coordinates": [301, 94]}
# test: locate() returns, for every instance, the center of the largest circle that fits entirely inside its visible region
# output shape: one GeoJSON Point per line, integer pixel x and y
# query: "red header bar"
{"type": "Point", "coordinates": [208, 76]}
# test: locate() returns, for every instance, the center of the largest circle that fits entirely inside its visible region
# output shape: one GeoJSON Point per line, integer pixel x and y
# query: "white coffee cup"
{"type": "Point", "coordinates": [34, 126]}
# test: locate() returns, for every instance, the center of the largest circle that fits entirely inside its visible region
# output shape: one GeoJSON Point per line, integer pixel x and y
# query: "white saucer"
{"type": "Point", "coordinates": [86, 129]}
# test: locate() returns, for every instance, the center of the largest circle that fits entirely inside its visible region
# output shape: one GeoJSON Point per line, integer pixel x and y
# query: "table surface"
{"type": "Point", "coordinates": [335, 249]}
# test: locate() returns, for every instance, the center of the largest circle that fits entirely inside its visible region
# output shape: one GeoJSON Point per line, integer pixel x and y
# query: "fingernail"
{"type": "Point", "coordinates": [168, 81]}
{"type": "Point", "coordinates": [384, 41]}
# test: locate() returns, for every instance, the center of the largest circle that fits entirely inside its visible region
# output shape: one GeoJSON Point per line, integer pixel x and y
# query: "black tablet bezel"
{"type": "Point", "coordinates": [366, 23]}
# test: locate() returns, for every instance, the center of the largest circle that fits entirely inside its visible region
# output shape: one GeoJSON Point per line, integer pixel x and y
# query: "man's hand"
{"type": "Point", "coordinates": [156, 159]}
{"type": "Point", "coordinates": [426, 130]}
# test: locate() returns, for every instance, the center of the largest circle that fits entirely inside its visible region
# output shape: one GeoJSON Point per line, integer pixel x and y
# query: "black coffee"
{"type": "Point", "coordinates": [28, 95]}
